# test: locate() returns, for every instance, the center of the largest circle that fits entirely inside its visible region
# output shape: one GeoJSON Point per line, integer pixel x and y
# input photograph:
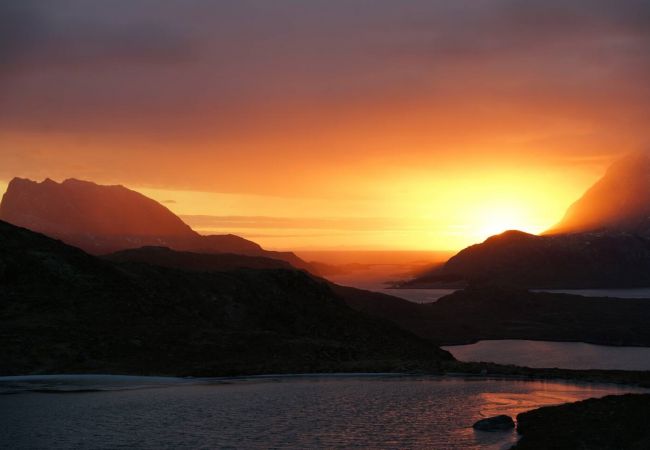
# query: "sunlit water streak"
{"type": "Point", "coordinates": [274, 412]}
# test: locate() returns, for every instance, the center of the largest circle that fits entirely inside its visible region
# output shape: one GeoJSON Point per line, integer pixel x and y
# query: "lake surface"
{"type": "Point", "coordinates": [433, 295]}
{"type": "Point", "coordinates": [261, 412]}
{"type": "Point", "coordinates": [379, 278]}
{"type": "Point", "coordinates": [617, 293]}
{"type": "Point", "coordinates": [415, 295]}
{"type": "Point", "coordinates": [564, 355]}
{"type": "Point", "coordinates": [381, 286]}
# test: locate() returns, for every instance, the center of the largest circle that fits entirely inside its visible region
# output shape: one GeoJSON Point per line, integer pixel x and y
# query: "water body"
{"type": "Point", "coordinates": [380, 285]}
{"type": "Point", "coordinates": [377, 278]}
{"type": "Point", "coordinates": [416, 295]}
{"type": "Point", "coordinates": [617, 293]}
{"type": "Point", "coordinates": [271, 412]}
{"type": "Point", "coordinates": [544, 354]}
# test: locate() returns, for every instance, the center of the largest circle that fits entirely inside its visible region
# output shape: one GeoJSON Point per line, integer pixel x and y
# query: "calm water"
{"type": "Point", "coordinates": [277, 412]}
{"type": "Point", "coordinates": [377, 279]}
{"type": "Point", "coordinates": [618, 293]}
{"type": "Point", "coordinates": [417, 295]}
{"type": "Point", "coordinates": [564, 355]}
{"type": "Point", "coordinates": [412, 295]}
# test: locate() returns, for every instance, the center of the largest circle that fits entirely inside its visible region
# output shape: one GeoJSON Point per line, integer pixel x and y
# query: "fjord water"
{"type": "Point", "coordinates": [613, 293]}
{"type": "Point", "coordinates": [375, 280]}
{"type": "Point", "coordinates": [563, 355]}
{"type": "Point", "coordinates": [375, 411]}
{"type": "Point", "coordinates": [421, 296]}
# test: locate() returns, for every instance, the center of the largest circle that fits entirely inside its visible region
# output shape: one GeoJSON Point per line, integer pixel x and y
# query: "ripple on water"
{"type": "Point", "coordinates": [279, 412]}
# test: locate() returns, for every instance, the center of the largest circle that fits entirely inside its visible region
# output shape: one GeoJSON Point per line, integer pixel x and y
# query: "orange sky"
{"type": "Point", "coordinates": [330, 124]}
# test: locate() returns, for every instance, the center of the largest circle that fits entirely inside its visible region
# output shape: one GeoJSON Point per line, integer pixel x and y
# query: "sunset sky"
{"type": "Point", "coordinates": [356, 124]}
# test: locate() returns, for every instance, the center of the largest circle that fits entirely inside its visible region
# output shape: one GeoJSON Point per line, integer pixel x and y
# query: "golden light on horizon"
{"type": "Point", "coordinates": [446, 208]}
{"type": "Point", "coordinates": [502, 217]}
{"type": "Point", "coordinates": [427, 126]}
{"type": "Point", "coordinates": [408, 211]}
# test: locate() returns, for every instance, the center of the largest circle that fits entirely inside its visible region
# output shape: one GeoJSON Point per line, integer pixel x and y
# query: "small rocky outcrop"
{"type": "Point", "coordinates": [496, 423]}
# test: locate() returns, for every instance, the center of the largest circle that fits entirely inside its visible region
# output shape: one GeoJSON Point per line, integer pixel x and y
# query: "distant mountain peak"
{"type": "Point", "coordinates": [603, 241]}
{"type": "Point", "coordinates": [510, 235]}
{"type": "Point", "coordinates": [76, 207]}
{"type": "Point", "coordinates": [104, 219]}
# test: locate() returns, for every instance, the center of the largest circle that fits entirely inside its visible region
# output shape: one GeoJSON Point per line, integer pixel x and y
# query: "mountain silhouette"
{"type": "Point", "coordinates": [619, 201]}
{"type": "Point", "coordinates": [602, 242]}
{"type": "Point", "coordinates": [563, 261]}
{"type": "Point", "coordinates": [65, 311]}
{"type": "Point", "coordinates": [106, 219]}
{"type": "Point", "coordinates": [166, 257]}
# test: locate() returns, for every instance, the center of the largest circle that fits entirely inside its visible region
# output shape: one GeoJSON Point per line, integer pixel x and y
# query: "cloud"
{"type": "Point", "coordinates": [322, 86]}
{"type": "Point", "coordinates": [39, 35]}
{"type": "Point", "coordinates": [348, 224]}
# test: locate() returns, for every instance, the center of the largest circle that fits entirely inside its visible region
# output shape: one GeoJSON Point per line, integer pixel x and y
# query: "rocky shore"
{"type": "Point", "coordinates": [482, 369]}
{"type": "Point", "coordinates": [609, 423]}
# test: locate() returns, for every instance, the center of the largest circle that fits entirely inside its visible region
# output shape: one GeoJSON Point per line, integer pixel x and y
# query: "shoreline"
{"type": "Point", "coordinates": [568, 341]}
{"type": "Point", "coordinates": [452, 370]}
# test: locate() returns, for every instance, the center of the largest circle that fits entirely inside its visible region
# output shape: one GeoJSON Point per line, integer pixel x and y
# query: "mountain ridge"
{"type": "Point", "coordinates": [619, 201]}
{"type": "Point", "coordinates": [562, 261]}
{"type": "Point", "coordinates": [104, 219]}
{"type": "Point", "coordinates": [603, 241]}
{"type": "Point", "coordinates": [488, 312]}
{"type": "Point", "coordinates": [65, 311]}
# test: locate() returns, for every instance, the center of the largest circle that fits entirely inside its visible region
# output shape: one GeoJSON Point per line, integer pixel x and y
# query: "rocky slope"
{"type": "Point", "coordinates": [64, 311]}
{"type": "Point", "coordinates": [105, 219]}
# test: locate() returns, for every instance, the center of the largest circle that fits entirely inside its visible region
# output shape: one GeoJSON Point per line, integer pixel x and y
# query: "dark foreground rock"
{"type": "Point", "coordinates": [65, 311]}
{"type": "Point", "coordinates": [496, 423]}
{"type": "Point", "coordinates": [610, 423]}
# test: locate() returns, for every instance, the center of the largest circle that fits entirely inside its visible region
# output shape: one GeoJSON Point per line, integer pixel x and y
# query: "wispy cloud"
{"type": "Point", "coordinates": [348, 224]}
{"type": "Point", "coordinates": [375, 107]}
